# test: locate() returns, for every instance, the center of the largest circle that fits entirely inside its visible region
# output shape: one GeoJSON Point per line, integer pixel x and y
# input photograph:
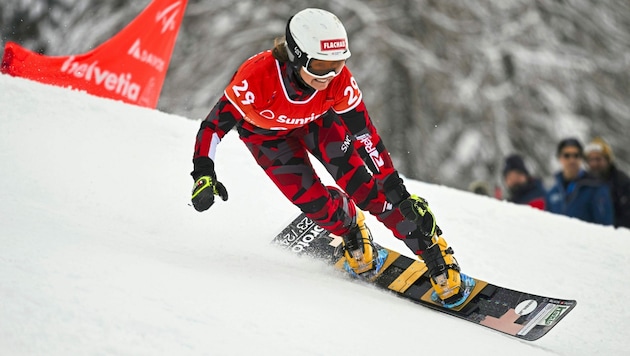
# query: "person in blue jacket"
{"type": "Point", "coordinates": [575, 193]}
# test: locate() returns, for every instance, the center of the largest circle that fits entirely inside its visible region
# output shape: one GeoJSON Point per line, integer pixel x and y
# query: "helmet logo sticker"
{"type": "Point", "coordinates": [297, 51]}
{"type": "Point", "coordinates": [332, 45]}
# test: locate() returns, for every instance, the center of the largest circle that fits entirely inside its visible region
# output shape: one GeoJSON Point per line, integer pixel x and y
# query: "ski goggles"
{"type": "Point", "coordinates": [326, 72]}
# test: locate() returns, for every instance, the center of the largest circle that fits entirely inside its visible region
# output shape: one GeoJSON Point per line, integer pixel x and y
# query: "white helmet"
{"type": "Point", "coordinates": [317, 34]}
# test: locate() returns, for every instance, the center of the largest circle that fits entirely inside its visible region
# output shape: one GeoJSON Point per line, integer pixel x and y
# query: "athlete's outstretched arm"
{"type": "Point", "coordinates": [368, 142]}
{"type": "Point", "coordinates": [216, 125]}
{"type": "Point", "coordinates": [374, 153]}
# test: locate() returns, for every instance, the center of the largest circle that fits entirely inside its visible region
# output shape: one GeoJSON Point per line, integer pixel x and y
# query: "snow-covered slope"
{"type": "Point", "coordinates": [100, 252]}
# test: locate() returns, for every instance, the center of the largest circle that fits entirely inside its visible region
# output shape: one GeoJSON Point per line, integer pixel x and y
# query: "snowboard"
{"type": "Point", "coordinates": [522, 315]}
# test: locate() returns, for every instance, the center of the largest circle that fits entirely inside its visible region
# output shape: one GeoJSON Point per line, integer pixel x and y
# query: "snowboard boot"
{"type": "Point", "coordinates": [450, 287]}
{"type": "Point", "coordinates": [363, 257]}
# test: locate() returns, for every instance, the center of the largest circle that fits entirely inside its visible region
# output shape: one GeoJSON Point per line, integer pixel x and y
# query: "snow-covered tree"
{"type": "Point", "coordinates": [453, 85]}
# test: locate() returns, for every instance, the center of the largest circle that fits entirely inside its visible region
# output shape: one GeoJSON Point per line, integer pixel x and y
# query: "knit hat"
{"type": "Point", "coordinates": [573, 142]}
{"type": "Point", "coordinates": [514, 163]}
{"type": "Point", "coordinates": [599, 145]}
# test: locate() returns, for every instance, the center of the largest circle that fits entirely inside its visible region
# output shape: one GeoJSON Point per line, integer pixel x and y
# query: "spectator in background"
{"type": "Point", "coordinates": [521, 187]}
{"type": "Point", "coordinates": [575, 193]}
{"type": "Point", "coordinates": [600, 163]}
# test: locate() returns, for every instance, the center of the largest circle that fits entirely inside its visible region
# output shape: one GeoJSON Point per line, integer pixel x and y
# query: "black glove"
{"type": "Point", "coordinates": [204, 191]}
{"type": "Point", "coordinates": [416, 209]}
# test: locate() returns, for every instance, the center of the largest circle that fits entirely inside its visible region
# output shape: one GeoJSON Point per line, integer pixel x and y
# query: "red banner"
{"type": "Point", "coordinates": [131, 66]}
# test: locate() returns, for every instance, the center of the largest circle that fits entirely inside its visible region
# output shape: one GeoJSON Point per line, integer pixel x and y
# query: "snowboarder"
{"type": "Point", "coordinates": [300, 98]}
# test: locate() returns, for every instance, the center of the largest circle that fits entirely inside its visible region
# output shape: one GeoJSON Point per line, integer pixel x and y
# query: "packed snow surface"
{"type": "Point", "coordinates": [101, 253]}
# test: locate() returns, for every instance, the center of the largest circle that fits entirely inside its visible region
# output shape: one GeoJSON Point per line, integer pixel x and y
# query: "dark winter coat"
{"type": "Point", "coordinates": [619, 184]}
{"type": "Point", "coordinates": [585, 198]}
{"type": "Point", "coordinates": [532, 193]}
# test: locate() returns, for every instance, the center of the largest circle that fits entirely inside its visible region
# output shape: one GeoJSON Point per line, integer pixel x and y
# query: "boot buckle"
{"type": "Point", "coordinates": [441, 279]}
{"type": "Point", "coordinates": [362, 265]}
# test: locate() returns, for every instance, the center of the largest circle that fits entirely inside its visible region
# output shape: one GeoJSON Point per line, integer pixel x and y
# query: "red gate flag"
{"type": "Point", "coordinates": [131, 66]}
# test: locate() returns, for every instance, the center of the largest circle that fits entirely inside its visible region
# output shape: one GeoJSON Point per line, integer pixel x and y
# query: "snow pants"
{"type": "Point", "coordinates": [284, 158]}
